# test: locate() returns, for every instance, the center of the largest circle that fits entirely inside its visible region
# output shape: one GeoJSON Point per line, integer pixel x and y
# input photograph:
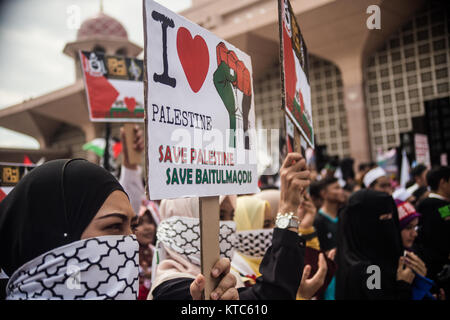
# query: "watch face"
{"type": "Point", "coordinates": [283, 223]}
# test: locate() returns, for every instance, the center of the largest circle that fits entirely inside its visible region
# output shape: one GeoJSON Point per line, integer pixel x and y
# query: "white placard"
{"type": "Point", "coordinates": [422, 149]}
{"type": "Point", "coordinates": [114, 87]}
{"type": "Point", "coordinates": [198, 88]}
{"type": "Point", "coordinates": [444, 160]}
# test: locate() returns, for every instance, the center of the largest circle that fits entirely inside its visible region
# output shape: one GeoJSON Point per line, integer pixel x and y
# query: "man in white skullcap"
{"type": "Point", "coordinates": [377, 179]}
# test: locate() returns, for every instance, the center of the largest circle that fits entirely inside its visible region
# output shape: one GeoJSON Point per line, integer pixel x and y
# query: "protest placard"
{"type": "Point", "coordinates": [114, 87]}
{"type": "Point", "coordinates": [290, 134]}
{"type": "Point", "coordinates": [200, 111]}
{"type": "Point", "coordinates": [296, 92]}
{"type": "Point", "coordinates": [200, 116]}
{"type": "Point", "coordinates": [10, 175]}
{"type": "Point", "coordinates": [422, 149]}
{"type": "Point", "coordinates": [115, 92]}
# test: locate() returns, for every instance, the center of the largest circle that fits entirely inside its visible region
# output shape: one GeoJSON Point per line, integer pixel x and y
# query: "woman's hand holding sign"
{"type": "Point", "coordinates": [225, 290]}
{"type": "Point", "coordinates": [294, 180]}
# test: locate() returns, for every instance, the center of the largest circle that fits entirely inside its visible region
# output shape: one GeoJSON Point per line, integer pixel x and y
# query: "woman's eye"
{"type": "Point", "coordinates": [386, 216]}
{"type": "Point", "coordinates": [117, 226]}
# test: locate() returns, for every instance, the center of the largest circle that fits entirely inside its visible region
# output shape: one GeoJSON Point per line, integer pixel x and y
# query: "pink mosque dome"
{"type": "Point", "coordinates": [101, 25]}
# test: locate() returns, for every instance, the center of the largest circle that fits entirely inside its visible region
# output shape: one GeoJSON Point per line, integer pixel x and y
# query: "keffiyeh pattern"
{"type": "Point", "coordinates": [97, 268]}
{"type": "Point", "coordinates": [182, 235]}
{"type": "Point", "coordinates": [254, 243]}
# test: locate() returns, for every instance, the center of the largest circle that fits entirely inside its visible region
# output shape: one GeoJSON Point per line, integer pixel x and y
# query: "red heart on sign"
{"type": "Point", "coordinates": [130, 103]}
{"type": "Point", "coordinates": [194, 57]}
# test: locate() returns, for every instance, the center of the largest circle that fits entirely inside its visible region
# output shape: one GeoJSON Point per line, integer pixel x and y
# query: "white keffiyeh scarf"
{"type": "Point", "coordinates": [182, 235]}
{"type": "Point", "coordinates": [97, 268]}
{"type": "Point", "coordinates": [254, 243]}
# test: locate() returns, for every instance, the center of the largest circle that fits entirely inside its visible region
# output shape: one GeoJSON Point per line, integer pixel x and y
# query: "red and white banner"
{"type": "Point", "coordinates": [296, 92]}
{"type": "Point", "coordinates": [422, 149]}
{"type": "Point", "coordinates": [114, 87]}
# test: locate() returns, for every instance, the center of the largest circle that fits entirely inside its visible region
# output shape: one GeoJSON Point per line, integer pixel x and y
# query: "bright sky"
{"type": "Point", "coordinates": [32, 37]}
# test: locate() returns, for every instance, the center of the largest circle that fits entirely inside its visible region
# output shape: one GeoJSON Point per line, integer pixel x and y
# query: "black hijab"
{"type": "Point", "coordinates": [51, 207]}
{"type": "Point", "coordinates": [364, 240]}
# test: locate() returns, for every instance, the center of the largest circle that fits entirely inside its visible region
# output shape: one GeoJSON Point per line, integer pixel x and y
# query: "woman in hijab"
{"type": "Point", "coordinates": [178, 235]}
{"type": "Point", "coordinates": [179, 255]}
{"type": "Point", "coordinates": [409, 220]}
{"type": "Point", "coordinates": [254, 226]}
{"type": "Point", "coordinates": [370, 259]}
{"type": "Point", "coordinates": [255, 220]}
{"type": "Point", "coordinates": [65, 234]}
{"type": "Point", "coordinates": [272, 196]}
{"type": "Point", "coordinates": [145, 226]}
{"type": "Point", "coordinates": [176, 260]}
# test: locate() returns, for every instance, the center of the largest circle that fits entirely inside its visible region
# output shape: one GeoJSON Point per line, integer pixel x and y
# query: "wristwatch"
{"type": "Point", "coordinates": [287, 220]}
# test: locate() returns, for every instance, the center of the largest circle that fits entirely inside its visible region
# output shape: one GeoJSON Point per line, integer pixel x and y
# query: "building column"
{"type": "Point", "coordinates": [93, 130]}
{"type": "Point", "coordinates": [358, 130]}
{"type": "Point", "coordinates": [357, 122]}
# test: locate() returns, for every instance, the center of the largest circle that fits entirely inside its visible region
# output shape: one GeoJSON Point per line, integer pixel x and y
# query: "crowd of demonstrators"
{"type": "Point", "coordinates": [408, 221]}
{"type": "Point", "coordinates": [177, 256]}
{"type": "Point", "coordinates": [271, 270]}
{"type": "Point", "coordinates": [71, 230]}
{"type": "Point", "coordinates": [419, 242]}
{"type": "Point", "coordinates": [144, 226]}
{"type": "Point", "coordinates": [434, 234]}
{"type": "Point", "coordinates": [326, 222]}
{"type": "Point", "coordinates": [147, 218]}
{"type": "Point", "coordinates": [254, 231]}
{"type": "Point", "coordinates": [68, 216]}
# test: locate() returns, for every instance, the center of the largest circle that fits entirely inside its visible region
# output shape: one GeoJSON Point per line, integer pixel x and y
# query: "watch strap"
{"type": "Point", "coordinates": [310, 236]}
{"type": "Point", "coordinates": [294, 222]}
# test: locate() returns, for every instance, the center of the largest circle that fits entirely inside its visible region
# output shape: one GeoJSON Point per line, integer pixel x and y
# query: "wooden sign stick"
{"type": "Point", "coordinates": [129, 152]}
{"type": "Point", "coordinates": [209, 240]}
{"type": "Point", "coordinates": [298, 148]}
{"type": "Point", "coordinates": [297, 141]}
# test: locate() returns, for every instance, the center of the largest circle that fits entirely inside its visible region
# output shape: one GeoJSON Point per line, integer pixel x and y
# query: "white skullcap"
{"type": "Point", "coordinates": [373, 175]}
{"type": "Point", "coordinates": [401, 194]}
